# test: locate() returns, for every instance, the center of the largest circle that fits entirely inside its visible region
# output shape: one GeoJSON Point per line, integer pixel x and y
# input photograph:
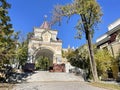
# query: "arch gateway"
{"type": "Point", "coordinates": [44, 42]}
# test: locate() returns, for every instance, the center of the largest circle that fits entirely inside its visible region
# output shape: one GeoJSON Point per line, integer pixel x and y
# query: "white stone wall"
{"type": "Point", "coordinates": [45, 43]}
{"type": "Point", "coordinates": [68, 66]}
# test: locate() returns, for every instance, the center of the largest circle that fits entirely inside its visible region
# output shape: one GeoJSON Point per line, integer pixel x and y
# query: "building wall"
{"type": "Point", "coordinates": [45, 39]}
{"type": "Point", "coordinates": [111, 41]}
{"type": "Point", "coordinates": [116, 48]}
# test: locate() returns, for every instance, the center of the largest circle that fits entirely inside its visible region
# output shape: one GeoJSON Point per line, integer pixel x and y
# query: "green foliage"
{"type": "Point", "coordinates": [11, 49]}
{"type": "Point", "coordinates": [83, 51]}
{"type": "Point", "coordinates": [21, 51]}
{"type": "Point", "coordinates": [88, 10]}
{"type": "Point", "coordinates": [64, 53]}
{"type": "Point", "coordinates": [42, 63]}
{"type": "Point", "coordinates": [79, 57]}
{"type": "Point", "coordinates": [69, 53]}
{"type": "Point", "coordinates": [104, 61]}
{"type": "Point", "coordinates": [108, 86]}
{"type": "Point", "coordinates": [7, 43]}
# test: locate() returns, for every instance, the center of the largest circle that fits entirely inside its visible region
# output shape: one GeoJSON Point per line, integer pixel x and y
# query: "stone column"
{"type": "Point", "coordinates": [31, 59]}
{"type": "Point", "coordinates": [58, 59]}
{"type": "Point", "coordinates": [54, 59]}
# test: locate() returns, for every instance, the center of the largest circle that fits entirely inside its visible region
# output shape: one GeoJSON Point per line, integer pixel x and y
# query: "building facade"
{"type": "Point", "coordinates": [111, 42]}
{"type": "Point", "coordinates": [111, 39]}
{"type": "Point", "coordinates": [44, 42]}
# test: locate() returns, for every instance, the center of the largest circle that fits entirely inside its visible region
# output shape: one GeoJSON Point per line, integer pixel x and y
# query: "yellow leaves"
{"type": "Point", "coordinates": [103, 60]}
{"type": "Point", "coordinates": [1, 9]}
{"type": "Point", "coordinates": [103, 55]}
{"type": "Point", "coordinates": [89, 8]}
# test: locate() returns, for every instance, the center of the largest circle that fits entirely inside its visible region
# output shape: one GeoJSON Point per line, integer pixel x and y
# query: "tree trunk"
{"type": "Point", "coordinates": [92, 60]}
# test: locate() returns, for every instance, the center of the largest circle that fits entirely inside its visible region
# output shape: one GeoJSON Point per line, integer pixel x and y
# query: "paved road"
{"type": "Point", "coordinates": [53, 76]}
{"type": "Point", "coordinates": [56, 86]}
{"type": "Point", "coordinates": [54, 81]}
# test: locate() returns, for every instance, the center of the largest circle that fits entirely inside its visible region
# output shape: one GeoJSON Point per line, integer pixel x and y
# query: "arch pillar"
{"type": "Point", "coordinates": [54, 59]}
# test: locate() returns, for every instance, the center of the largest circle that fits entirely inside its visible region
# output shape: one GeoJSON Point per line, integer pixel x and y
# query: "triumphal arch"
{"type": "Point", "coordinates": [44, 42]}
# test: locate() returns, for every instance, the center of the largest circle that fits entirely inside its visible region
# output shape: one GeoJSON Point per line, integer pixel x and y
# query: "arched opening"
{"type": "Point", "coordinates": [44, 59]}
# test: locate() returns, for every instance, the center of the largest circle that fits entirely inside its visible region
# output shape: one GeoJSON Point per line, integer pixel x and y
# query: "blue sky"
{"type": "Point", "coordinates": [26, 14]}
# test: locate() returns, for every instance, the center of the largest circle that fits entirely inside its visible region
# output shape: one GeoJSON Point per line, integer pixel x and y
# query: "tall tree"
{"type": "Point", "coordinates": [90, 13]}
{"type": "Point", "coordinates": [7, 44]}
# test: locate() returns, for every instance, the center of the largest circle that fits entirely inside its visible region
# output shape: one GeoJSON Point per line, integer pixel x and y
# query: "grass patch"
{"type": "Point", "coordinates": [106, 85]}
{"type": "Point", "coordinates": [6, 86]}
